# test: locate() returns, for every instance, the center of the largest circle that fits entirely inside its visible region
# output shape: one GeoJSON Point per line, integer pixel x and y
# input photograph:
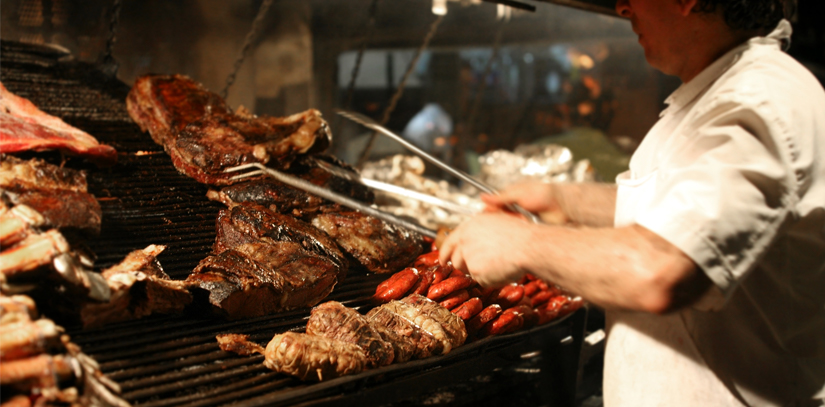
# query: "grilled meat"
{"type": "Point", "coordinates": [314, 168]}
{"type": "Point", "coordinates": [313, 357]}
{"type": "Point", "coordinates": [239, 344]}
{"type": "Point", "coordinates": [24, 127]}
{"type": "Point", "coordinates": [406, 322]}
{"type": "Point", "coordinates": [304, 356]}
{"type": "Point", "coordinates": [139, 288]}
{"type": "Point", "coordinates": [453, 324]}
{"type": "Point", "coordinates": [378, 246]}
{"type": "Point", "coordinates": [204, 137]}
{"type": "Point", "coordinates": [255, 279]}
{"type": "Point", "coordinates": [335, 321]}
{"type": "Point", "coordinates": [164, 104]}
{"type": "Point", "coordinates": [271, 194]}
{"type": "Point", "coordinates": [26, 338]}
{"type": "Point", "coordinates": [282, 198]}
{"type": "Point", "coordinates": [18, 223]}
{"type": "Point", "coordinates": [58, 194]}
{"type": "Point", "coordinates": [250, 223]}
{"type": "Point", "coordinates": [17, 308]}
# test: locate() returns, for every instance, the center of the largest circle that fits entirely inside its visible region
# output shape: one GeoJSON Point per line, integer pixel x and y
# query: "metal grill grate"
{"type": "Point", "coordinates": [175, 360]}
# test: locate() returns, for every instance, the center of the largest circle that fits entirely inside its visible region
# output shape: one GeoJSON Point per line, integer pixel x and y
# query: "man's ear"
{"type": "Point", "coordinates": [686, 6]}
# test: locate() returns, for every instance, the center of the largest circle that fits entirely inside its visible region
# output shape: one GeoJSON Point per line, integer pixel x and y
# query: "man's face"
{"type": "Point", "coordinates": [658, 24]}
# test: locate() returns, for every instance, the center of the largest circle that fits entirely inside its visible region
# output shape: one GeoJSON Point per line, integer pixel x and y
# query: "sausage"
{"type": "Point", "coordinates": [550, 310]}
{"type": "Point", "coordinates": [448, 286]}
{"type": "Point", "coordinates": [475, 292]}
{"type": "Point", "coordinates": [572, 305]}
{"type": "Point", "coordinates": [440, 273]}
{"type": "Point", "coordinates": [531, 288]}
{"type": "Point", "coordinates": [543, 296]}
{"type": "Point", "coordinates": [508, 295]}
{"type": "Point", "coordinates": [396, 286]}
{"type": "Point", "coordinates": [483, 317]}
{"type": "Point", "coordinates": [425, 280]}
{"type": "Point", "coordinates": [528, 315]}
{"type": "Point", "coordinates": [455, 299]}
{"type": "Point", "coordinates": [427, 260]}
{"type": "Point", "coordinates": [469, 309]}
{"type": "Point", "coordinates": [456, 273]}
{"type": "Point", "coordinates": [509, 321]}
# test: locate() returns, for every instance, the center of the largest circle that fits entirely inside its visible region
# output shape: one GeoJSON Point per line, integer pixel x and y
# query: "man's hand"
{"type": "Point", "coordinates": [536, 197]}
{"type": "Point", "coordinates": [487, 246]}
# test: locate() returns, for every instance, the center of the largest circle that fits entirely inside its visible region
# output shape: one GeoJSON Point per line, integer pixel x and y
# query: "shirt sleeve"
{"type": "Point", "coordinates": [723, 191]}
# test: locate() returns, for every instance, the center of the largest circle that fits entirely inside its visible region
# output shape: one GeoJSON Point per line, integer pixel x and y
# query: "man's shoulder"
{"type": "Point", "coordinates": [765, 75]}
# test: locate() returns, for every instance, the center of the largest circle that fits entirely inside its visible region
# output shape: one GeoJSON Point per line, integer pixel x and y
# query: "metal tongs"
{"type": "Point", "coordinates": [371, 124]}
{"type": "Point", "coordinates": [301, 184]}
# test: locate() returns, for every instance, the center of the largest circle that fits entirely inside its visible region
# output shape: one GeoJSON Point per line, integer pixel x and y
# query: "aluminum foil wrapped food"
{"type": "Point", "coordinates": [499, 168]}
{"type": "Point", "coordinates": [548, 163]}
{"type": "Point", "coordinates": [407, 172]}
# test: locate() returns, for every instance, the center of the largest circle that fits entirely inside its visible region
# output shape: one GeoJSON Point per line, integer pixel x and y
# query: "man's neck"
{"type": "Point", "coordinates": [707, 44]}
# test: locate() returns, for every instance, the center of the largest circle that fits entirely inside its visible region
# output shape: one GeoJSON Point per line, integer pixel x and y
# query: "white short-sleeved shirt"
{"type": "Point", "coordinates": [733, 174]}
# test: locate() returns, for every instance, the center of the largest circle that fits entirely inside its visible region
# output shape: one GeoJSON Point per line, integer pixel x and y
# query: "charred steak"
{"type": "Point", "coordinates": [249, 223]}
{"type": "Point", "coordinates": [204, 137]}
{"type": "Point", "coordinates": [378, 246]}
{"type": "Point", "coordinates": [265, 262]}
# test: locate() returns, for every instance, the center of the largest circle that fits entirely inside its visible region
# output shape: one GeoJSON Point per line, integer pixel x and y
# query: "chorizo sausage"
{"type": "Point", "coordinates": [543, 296]}
{"type": "Point", "coordinates": [531, 288]}
{"type": "Point", "coordinates": [448, 286]}
{"type": "Point", "coordinates": [396, 286]}
{"type": "Point", "coordinates": [427, 260]}
{"type": "Point", "coordinates": [424, 281]}
{"type": "Point", "coordinates": [550, 310]}
{"type": "Point", "coordinates": [509, 321]}
{"type": "Point", "coordinates": [528, 315]}
{"type": "Point", "coordinates": [483, 317]}
{"type": "Point", "coordinates": [468, 309]}
{"type": "Point", "coordinates": [440, 273]}
{"type": "Point", "coordinates": [508, 295]}
{"type": "Point", "coordinates": [455, 299]}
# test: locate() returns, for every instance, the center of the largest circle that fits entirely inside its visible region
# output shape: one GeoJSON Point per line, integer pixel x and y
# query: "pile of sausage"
{"type": "Point", "coordinates": [485, 311]}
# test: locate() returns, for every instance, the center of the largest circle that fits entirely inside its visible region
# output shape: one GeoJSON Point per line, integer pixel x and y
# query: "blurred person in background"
{"type": "Point", "coordinates": [708, 255]}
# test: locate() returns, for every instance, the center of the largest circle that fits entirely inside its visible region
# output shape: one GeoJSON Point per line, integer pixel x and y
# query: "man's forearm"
{"type": "Point", "coordinates": [588, 204]}
{"type": "Point", "coordinates": [627, 268]}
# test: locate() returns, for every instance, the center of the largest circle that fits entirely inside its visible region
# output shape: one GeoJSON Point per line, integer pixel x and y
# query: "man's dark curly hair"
{"type": "Point", "coordinates": [749, 14]}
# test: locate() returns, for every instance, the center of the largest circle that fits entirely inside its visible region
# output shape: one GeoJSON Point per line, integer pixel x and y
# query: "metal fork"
{"type": "Point", "coordinates": [295, 182]}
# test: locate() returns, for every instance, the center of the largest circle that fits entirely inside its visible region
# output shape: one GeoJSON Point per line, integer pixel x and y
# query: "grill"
{"type": "Point", "coordinates": [175, 360]}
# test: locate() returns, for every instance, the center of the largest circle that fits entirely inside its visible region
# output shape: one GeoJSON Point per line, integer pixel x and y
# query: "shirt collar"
{"type": "Point", "coordinates": [685, 94]}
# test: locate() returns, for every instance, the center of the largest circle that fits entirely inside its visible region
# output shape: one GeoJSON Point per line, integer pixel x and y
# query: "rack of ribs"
{"type": "Point", "coordinates": [24, 127]}
{"type": "Point", "coordinates": [58, 194]}
{"type": "Point", "coordinates": [204, 137]}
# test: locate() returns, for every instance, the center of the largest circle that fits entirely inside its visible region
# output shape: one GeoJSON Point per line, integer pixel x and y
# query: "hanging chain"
{"type": "Point", "coordinates": [107, 62]}
{"type": "Point", "coordinates": [351, 86]}
{"type": "Point", "coordinates": [400, 91]}
{"type": "Point", "coordinates": [482, 86]}
{"type": "Point", "coordinates": [250, 38]}
{"type": "Point", "coordinates": [357, 68]}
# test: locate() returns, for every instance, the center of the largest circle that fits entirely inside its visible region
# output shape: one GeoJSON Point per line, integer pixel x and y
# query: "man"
{"type": "Point", "coordinates": [709, 254]}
